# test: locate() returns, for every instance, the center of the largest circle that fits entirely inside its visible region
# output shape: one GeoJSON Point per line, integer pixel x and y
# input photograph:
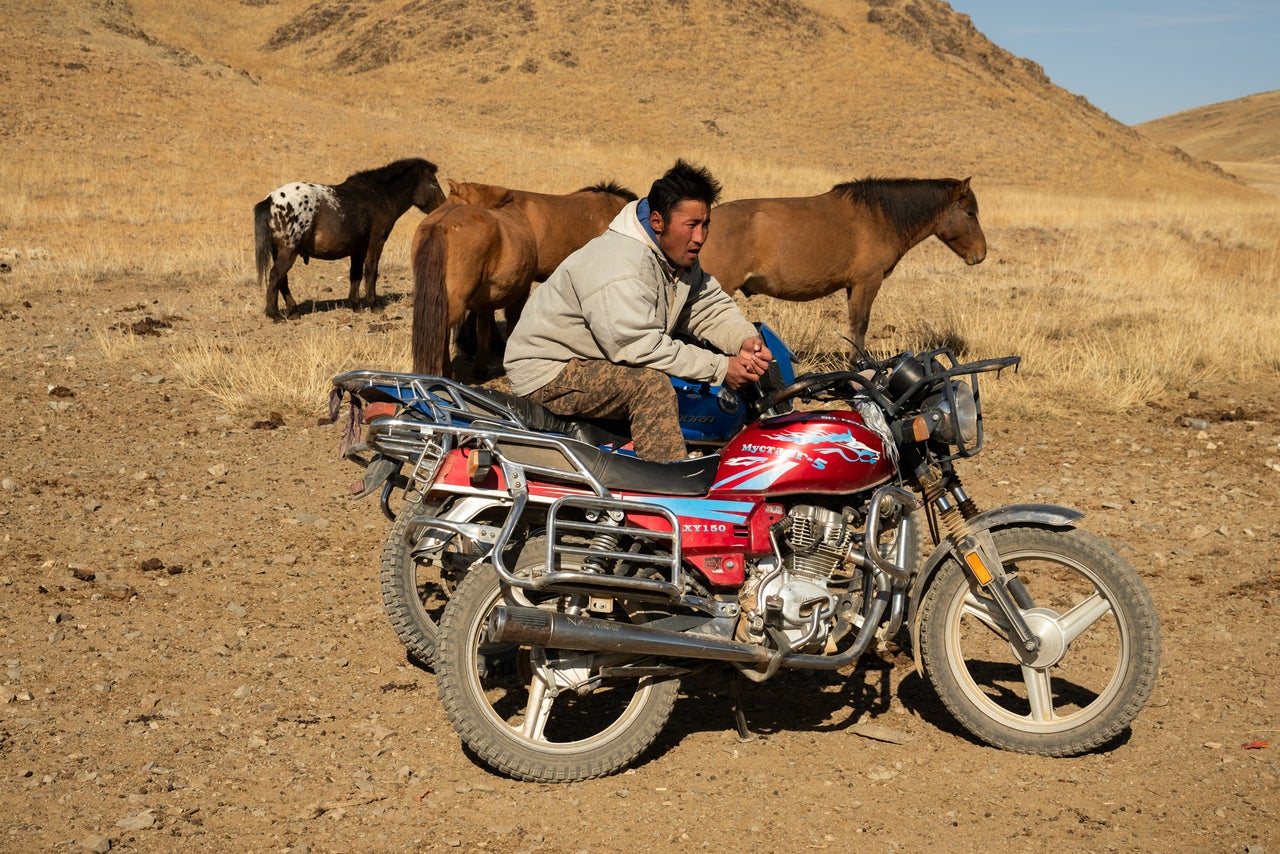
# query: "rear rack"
{"type": "Point", "coordinates": [439, 415]}
{"type": "Point", "coordinates": [442, 400]}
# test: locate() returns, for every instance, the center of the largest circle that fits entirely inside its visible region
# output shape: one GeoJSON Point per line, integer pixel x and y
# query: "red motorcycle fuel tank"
{"type": "Point", "coordinates": [829, 451]}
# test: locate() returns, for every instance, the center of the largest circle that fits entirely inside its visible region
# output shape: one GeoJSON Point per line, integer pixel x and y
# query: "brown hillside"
{"type": "Point", "coordinates": [1241, 136]}
{"type": "Point", "coordinates": [549, 94]}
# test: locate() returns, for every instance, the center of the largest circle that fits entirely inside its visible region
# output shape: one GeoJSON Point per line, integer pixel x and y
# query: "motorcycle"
{"type": "Point", "coordinates": [419, 570]}
{"type": "Point", "coordinates": [594, 581]}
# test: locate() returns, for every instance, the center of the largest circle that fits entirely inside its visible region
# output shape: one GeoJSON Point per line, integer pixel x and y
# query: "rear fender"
{"type": "Point", "coordinates": [1044, 515]}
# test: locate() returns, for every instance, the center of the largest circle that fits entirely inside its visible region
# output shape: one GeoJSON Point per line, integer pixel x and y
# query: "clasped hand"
{"type": "Point", "coordinates": [749, 365]}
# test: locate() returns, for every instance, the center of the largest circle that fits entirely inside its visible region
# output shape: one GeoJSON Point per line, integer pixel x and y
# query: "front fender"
{"type": "Point", "coordinates": [1046, 515]}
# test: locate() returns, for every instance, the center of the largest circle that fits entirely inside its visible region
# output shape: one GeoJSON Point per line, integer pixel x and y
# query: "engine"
{"type": "Point", "coordinates": [793, 597]}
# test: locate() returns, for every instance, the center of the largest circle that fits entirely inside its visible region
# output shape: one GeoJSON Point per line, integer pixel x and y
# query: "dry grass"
{"type": "Point", "coordinates": [248, 376]}
{"type": "Point", "coordinates": [1112, 303]}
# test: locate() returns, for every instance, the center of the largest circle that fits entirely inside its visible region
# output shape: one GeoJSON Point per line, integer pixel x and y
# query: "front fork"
{"type": "Point", "coordinates": [953, 508]}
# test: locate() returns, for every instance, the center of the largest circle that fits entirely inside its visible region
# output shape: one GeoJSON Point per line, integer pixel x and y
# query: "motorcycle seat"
{"type": "Point", "coordinates": [631, 474]}
{"type": "Point", "coordinates": [616, 472]}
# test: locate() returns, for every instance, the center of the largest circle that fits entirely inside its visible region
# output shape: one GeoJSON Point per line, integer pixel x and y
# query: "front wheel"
{"type": "Point", "coordinates": [541, 714]}
{"type": "Point", "coordinates": [1099, 645]}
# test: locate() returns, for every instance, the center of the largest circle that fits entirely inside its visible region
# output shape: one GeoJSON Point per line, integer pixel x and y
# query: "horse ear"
{"type": "Point", "coordinates": [453, 186]}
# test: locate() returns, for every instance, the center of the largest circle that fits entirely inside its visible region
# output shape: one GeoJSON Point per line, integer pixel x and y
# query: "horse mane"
{"type": "Point", "coordinates": [613, 188]}
{"type": "Point", "coordinates": [393, 172]}
{"type": "Point", "coordinates": [909, 203]}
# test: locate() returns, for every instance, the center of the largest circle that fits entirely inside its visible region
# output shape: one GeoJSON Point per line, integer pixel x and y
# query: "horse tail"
{"type": "Point", "coordinates": [430, 340]}
{"type": "Point", "coordinates": [265, 246]}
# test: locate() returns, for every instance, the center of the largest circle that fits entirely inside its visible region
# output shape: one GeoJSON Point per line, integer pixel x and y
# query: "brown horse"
{"type": "Point", "coordinates": [350, 220]}
{"type": "Point", "coordinates": [850, 237]}
{"type": "Point", "coordinates": [484, 250]}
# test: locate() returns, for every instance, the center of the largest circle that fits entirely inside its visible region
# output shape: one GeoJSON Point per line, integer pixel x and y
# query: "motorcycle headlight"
{"type": "Point", "coordinates": [958, 422]}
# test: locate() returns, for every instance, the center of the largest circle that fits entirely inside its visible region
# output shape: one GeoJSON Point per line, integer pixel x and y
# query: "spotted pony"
{"type": "Point", "coordinates": [349, 220]}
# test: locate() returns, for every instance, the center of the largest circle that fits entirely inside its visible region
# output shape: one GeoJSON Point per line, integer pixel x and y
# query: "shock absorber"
{"type": "Point", "coordinates": [968, 509]}
{"type": "Point", "coordinates": [954, 509]}
{"type": "Point", "coordinates": [603, 541]}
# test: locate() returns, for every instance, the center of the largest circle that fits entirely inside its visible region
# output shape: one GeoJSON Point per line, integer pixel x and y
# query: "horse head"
{"type": "Point", "coordinates": [481, 195]}
{"type": "Point", "coordinates": [427, 195]}
{"type": "Point", "coordinates": [958, 227]}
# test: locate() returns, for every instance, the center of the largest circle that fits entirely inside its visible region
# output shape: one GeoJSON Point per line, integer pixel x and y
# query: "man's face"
{"type": "Point", "coordinates": [681, 239]}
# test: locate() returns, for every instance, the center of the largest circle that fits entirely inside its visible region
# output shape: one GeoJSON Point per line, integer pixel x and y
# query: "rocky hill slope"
{"type": "Point", "coordinates": [1242, 136]}
{"type": "Point", "coordinates": [538, 92]}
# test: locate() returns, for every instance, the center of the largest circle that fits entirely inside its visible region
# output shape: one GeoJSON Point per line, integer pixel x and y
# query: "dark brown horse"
{"type": "Point", "coordinates": [484, 250]}
{"type": "Point", "coordinates": [850, 237]}
{"type": "Point", "coordinates": [350, 220]}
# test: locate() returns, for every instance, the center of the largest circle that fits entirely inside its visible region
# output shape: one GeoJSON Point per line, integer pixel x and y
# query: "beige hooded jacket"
{"type": "Point", "coordinates": [620, 300]}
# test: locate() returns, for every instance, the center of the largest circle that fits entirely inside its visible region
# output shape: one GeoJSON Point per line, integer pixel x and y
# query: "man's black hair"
{"type": "Point", "coordinates": [681, 182]}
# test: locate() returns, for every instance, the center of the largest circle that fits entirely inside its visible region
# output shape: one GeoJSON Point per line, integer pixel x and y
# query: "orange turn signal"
{"type": "Point", "coordinates": [979, 568]}
{"type": "Point", "coordinates": [479, 464]}
{"type": "Point", "coordinates": [920, 428]}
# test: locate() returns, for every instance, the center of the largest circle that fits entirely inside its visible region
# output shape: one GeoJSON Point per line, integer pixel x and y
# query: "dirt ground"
{"type": "Point", "coordinates": [196, 659]}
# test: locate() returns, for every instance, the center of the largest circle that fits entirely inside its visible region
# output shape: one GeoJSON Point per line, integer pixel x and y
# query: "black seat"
{"type": "Point", "coordinates": [632, 474]}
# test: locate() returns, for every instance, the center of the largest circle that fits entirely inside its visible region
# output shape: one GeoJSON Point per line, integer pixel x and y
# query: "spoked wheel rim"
{"type": "Point", "coordinates": [530, 693]}
{"type": "Point", "coordinates": [1084, 657]}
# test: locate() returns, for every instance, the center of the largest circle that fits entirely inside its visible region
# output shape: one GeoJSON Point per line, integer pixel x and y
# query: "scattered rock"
{"type": "Point", "coordinates": [271, 422]}
{"type": "Point", "coordinates": [882, 733]}
{"type": "Point", "coordinates": [119, 592]}
{"type": "Point", "coordinates": [137, 820]}
{"type": "Point", "coordinates": [96, 843]}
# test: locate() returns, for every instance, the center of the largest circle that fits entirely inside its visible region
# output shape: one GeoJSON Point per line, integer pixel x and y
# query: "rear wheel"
{"type": "Point", "coordinates": [542, 714]}
{"type": "Point", "coordinates": [414, 589]}
{"type": "Point", "coordinates": [1099, 652]}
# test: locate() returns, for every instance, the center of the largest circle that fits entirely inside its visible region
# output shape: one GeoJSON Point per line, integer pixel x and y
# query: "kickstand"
{"type": "Point", "coordinates": [739, 716]}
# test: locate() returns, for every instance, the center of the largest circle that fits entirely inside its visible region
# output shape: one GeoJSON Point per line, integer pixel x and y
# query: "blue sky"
{"type": "Point", "coordinates": [1141, 60]}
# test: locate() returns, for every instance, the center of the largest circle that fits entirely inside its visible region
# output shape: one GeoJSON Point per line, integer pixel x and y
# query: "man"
{"type": "Point", "coordinates": [596, 339]}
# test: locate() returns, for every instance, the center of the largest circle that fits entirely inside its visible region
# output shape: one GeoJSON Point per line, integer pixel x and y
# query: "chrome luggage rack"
{"type": "Point", "coordinates": [436, 414]}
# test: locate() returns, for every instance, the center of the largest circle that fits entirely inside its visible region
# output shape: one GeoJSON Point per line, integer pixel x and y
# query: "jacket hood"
{"type": "Point", "coordinates": [627, 223]}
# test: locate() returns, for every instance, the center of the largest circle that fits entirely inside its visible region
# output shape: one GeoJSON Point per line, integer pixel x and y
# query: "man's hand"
{"type": "Point", "coordinates": [749, 365]}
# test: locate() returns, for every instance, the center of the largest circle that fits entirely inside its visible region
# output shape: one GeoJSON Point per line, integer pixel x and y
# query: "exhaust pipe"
{"type": "Point", "coordinates": [534, 626]}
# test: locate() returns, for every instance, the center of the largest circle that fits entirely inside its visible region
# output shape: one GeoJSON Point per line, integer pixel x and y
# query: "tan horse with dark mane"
{"type": "Point", "coordinates": [850, 238]}
{"type": "Point", "coordinates": [483, 250]}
